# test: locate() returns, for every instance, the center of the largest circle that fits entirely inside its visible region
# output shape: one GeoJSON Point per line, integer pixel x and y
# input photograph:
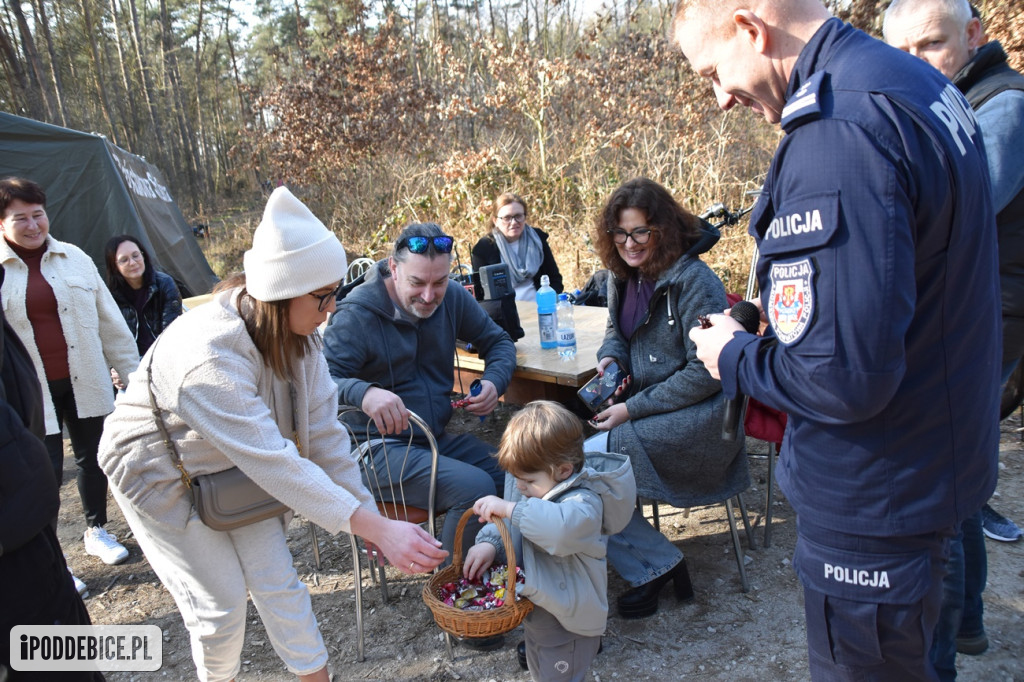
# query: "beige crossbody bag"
{"type": "Point", "coordinates": [225, 500]}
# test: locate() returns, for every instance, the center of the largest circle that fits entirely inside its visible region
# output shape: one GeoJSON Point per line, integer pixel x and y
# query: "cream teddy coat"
{"type": "Point", "coordinates": [94, 329]}
{"type": "Point", "coordinates": [224, 407]}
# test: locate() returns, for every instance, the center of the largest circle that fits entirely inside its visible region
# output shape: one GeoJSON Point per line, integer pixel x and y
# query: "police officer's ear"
{"type": "Point", "coordinates": [752, 28]}
{"type": "Point", "coordinates": [975, 35]}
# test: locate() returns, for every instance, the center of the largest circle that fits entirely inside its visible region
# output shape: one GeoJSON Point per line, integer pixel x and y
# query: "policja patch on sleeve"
{"type": "Point", "coordinates": [791, 299]}
{"type": "Point", "coordinates": [806, 224]}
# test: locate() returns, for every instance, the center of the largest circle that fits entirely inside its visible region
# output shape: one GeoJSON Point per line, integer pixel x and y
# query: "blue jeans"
{"type": "Point", "coordinates": [466, 471]}
{"type": "Point", "coordinates": [943, 651]}
{"type": "Point", "coordinates": [975, 577]}
{"type": "Point", "coordinates": [639, 553]}
{"type": "Point", "coordinates": [962, 608]}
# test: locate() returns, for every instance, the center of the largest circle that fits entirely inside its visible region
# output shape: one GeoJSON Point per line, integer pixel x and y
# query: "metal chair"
{"type": "Point", "coordinates": [357, 268]}
{"type": "Point", "coordinates": [385, 483]}
{"type": "Point", "coordinates": [751, 542]}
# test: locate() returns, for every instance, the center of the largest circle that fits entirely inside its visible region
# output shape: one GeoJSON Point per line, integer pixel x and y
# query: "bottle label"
{"type": "Point", "coordinates": [546, 325]}
{"type": "Point", "coordinates": [567, 337]}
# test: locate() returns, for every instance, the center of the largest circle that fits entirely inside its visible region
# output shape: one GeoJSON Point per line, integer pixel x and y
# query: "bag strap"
{"type": "Point", "coordinates": [172, 449]}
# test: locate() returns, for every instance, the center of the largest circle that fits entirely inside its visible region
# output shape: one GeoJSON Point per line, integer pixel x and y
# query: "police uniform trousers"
{"type": "Point", "coordinates": [871, 602]}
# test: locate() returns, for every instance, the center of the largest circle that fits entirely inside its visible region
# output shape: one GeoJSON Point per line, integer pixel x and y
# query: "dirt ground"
{"type": "Point", "coordinates": [723, 635]}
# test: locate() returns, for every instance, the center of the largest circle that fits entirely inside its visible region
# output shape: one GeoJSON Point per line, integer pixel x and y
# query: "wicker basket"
{"type": "Point", "coordinates": [476, 623]}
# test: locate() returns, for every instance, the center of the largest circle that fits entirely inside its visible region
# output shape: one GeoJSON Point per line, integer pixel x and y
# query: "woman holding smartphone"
{"type": "Point", "coordinates": [667, 416]}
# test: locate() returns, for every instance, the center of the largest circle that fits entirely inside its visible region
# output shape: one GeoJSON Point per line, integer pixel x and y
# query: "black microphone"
{"type": "Point", "coordinates": [747, 314]}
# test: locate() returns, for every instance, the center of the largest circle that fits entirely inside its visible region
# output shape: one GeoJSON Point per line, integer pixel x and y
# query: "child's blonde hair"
{"type": "Point", "coordinates": [541, 437]}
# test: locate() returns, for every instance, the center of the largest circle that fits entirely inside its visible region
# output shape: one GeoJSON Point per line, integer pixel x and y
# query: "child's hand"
{"type": "Point", "coordinates": [478, 559]}
{"type": "Point", "coordinates": [493, 507]}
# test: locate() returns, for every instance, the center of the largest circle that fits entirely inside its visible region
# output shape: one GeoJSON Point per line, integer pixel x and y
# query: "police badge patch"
{"type": "Point", "coordinates": [791, 299]}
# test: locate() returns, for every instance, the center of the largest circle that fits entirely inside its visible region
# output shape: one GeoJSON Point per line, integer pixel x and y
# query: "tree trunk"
{"type": "Point", "coordinates": [37, 95]}
{"type": "Point", "coordinates": [58, 86]}
{"type": "Point", "coordinates": [156, 121]}
{"type": "Point", "coordinates": [134, 125]}
{"type": "Point", "coordinates": [176, 104]}
{"type": "Point", "coordinates": [17, 79]}
{"type": "Point", "coordinates": [97, 70]}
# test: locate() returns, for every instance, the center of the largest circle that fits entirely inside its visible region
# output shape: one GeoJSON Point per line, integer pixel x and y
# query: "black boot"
{"type": "Point", "coordinates": [642, 601]}
{"type": "Point", "coordinates": [521, 655]}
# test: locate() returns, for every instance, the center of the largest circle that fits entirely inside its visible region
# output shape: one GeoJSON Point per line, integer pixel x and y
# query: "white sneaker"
{"type": "Point", "coordinates": [98, 542]}
{"type": "Point", "coordinates": [79, 585]}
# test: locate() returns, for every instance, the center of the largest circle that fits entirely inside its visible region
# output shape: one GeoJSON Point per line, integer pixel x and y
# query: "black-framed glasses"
{"type": "Point", "coordinates": [509, 219]}
{"type": "Point", "coordinates": [419, 244]}
{"type": "Point", "coordinates": [325, 299]}
{"type": "Point", "coordinates": [640, 235]}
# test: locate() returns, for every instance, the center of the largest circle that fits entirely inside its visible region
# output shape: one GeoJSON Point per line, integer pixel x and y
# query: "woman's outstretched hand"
{"type": "Point", "coordinates": [408, 547]}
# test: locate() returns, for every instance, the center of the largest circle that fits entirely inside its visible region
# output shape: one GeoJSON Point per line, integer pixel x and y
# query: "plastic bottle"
{"type": "Point", "coordinates": [566, 328]}
{"type": "Point", "coordinates": [546, 301]}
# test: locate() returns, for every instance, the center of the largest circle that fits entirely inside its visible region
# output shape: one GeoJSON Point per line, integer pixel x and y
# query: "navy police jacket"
{"type": "Point", "coordinates": [879, 278]}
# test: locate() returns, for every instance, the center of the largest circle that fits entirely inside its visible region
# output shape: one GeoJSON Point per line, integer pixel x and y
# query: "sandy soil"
{"type": "Point", "coordinates": [723, 635]}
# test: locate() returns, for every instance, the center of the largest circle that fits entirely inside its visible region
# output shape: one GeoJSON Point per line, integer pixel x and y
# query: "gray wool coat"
{"type": "Point", "coordinates": [673, 436]}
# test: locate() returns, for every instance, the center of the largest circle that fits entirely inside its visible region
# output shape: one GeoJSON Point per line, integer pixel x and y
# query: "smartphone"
{"type": "Point", "coordinates": [597, 391]}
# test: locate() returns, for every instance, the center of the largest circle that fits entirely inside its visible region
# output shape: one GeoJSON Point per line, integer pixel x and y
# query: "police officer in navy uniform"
{"type": "Point", "coordinates": [878, 278]}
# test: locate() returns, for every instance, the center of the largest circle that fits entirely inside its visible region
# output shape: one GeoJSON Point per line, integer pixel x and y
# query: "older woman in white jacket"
{"type": "Point", "coordinates": [56, 301]}
{"type": "Point", "coordinates": [240, 382]}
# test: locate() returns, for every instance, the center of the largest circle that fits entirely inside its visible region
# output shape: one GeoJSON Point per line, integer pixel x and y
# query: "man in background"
{"type": "Point", "coordinates": [872, 214]}
{"type": "Point", "coordinates": [947, 35]}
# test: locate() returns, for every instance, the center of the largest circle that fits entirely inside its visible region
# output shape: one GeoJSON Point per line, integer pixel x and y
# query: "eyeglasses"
{"type": "Point", "coordinates": [509, 219]}
{"type": "Point", "coordinates": [419, 245]}
{"type": "Point", "coordinates": [640, 235]}
{"type": "Point", "coordinates": [125, 260]}
{"type": "Point", "coordinates": [325, 299]}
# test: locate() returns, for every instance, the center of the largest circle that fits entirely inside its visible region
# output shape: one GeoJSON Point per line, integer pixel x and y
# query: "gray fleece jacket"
{"type": "Point", "coordinates": [673, 436]}
{"type": "Point", "coordinates": [562, 539]}
{"type": "Point", "coordinates": [367, 345]}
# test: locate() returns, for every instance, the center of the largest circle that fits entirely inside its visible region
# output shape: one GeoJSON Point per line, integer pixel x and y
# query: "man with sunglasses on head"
{"type": "Point", "coordinates": [391, 348]}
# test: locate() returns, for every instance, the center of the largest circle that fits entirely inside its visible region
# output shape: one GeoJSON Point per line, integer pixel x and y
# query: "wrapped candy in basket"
{"type": "Point", "coordinates": [483, 610]}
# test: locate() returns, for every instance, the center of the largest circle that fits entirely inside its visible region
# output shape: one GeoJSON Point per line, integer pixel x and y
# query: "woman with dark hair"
{"type": "Point", "coordinates": [667, 416]}
{"type": "Point", "coordinates": [148, 298]}
{"type": "Point", "coordinates": [522, 247]}
{"type": "Point", "coordinates": [241, 382]}
{"type": "Point", "coordinates": [56, 301]}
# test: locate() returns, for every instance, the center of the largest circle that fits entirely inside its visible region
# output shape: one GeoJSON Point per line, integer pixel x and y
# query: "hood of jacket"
{"type": "Point", "coordinates": [370, 294]}
{"type": "Point", "coordinates": [610, 475]}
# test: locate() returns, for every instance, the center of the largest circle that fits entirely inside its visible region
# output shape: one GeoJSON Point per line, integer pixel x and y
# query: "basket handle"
{"type": "Point", "coordinates": [510, 552]}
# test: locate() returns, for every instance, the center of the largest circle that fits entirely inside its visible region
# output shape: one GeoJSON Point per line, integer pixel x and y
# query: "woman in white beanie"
{"type": "Point", "coordinates": [240, 382]}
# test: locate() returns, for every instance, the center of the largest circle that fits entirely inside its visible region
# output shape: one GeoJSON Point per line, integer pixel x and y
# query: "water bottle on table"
{"type": "Point", "coordinates": [565, 328]}
{"type": "Point", "coordinates": [546, 300]}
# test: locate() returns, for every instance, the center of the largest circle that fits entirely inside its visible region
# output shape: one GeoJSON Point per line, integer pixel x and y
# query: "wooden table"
{"type": "Point", "coordinates": [540, 372]}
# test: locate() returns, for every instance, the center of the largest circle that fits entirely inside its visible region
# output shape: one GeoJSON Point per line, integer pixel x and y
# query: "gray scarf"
{"type": "Point", "coordinates": [523, 256]}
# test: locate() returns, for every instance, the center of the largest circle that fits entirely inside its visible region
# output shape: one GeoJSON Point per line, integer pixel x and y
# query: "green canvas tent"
{"type": "Point", "coordinates": [95, 190]}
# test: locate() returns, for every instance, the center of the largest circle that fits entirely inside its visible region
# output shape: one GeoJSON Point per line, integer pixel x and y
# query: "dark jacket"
{"type": "Point", "coordinates": [366, 346]}
{"type": "Point", "coordinates": [878, 275]}
{"type": "Point", "coordinates": [981, 79]}
{"type": "Point", "coordinates": [673, 435]}
{"type": "Point", "coordinates": [486, 252]}
{"type": "Point", "coordinates": [35, 586]}
{"type": "Point", "coordinates": [163, 306]}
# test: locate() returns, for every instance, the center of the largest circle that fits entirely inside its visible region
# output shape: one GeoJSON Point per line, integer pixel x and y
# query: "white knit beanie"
{"type": "Point", "coordinates": [292, 252]}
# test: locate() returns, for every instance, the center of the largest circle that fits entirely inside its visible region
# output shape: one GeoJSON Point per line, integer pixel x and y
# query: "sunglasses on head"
{"type": "Point", "coordinates": [420, 245]}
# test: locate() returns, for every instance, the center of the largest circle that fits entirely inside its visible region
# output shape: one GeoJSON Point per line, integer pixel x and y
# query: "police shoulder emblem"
{"type": "Point", "coordinates": [791, 299]}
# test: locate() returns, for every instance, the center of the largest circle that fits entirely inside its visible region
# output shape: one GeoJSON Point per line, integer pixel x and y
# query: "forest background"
{"type": "Point", "coordinates": [391, 111]}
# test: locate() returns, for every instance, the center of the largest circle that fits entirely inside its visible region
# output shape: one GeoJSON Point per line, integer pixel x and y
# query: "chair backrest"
{"type": "Point", "coordinates": [357, 268]}
{"type": "Point", "coordinates": [384, 475]}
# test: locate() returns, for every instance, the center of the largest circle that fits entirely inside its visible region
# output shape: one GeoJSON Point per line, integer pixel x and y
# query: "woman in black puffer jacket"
{"type": "Point", "coordinates": [148, 299]}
